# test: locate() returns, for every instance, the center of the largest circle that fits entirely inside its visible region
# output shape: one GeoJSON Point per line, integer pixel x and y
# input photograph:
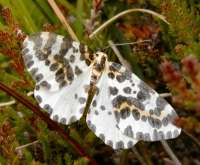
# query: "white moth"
{"type": "Point", "coordinates": [124, 109]}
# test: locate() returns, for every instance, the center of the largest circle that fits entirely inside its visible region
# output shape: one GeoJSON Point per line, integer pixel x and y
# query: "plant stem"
{"type": "Point", "coordinates": [26, 145]}
{"type": "Point", "coordinates": [3, 104]}
{"type": "Point", "coordinates": [62, 19]}
{"type": "Point", "coordinates": [164, 95]}
{"type": "Point", "coordinates": [124, 13]}
{"type": "Point", "coordinates": [196, 140]}
{"type": "Point", "coordinates": [170, 152]}
{"type": "Point", "coordinates": [52, 124]}
{"type": "Point", "coordinates": [119, 56]}
{"type": "Point", "coordinates": [139, 157]}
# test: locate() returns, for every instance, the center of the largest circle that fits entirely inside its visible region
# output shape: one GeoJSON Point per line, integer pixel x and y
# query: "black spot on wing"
{"type": "Point", "coordinates": [128, 131]}
{"type": "Point", "coordinates": [54, 67]}
{"type": "Point", "coordinates": [77, 70]}
{"type": "Point", "coordinates": [82, 100]}
{"type": "Point", "coordinates": [115, 66]}
{"type": "Point", "coordinates": [72, 58]}
{"type": "Point", "coordinates": [118, 100]}
{"type": "Point", "coordinates": [120, 145]}
{"type": "Point", "coordinates": [50, 41]}
{"type": "Point", "coordinates": [65, 46]}
{"type": "Point", "coordinates": [113, 91]}
{"type": "Point", "coordinates": [135, 114]}
{"type": "Point", "coordinates": [125, 112]}
{"type": "Point", "coordinates": [37, 40]}
{"type": "Point", "coordinates": [127, 90]}
{"type": "Point", "coordinates": [102, 107]}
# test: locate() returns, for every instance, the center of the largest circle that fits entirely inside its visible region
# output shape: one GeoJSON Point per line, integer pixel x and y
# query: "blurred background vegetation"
{"type": "Point", "coordinates": [169, 62]}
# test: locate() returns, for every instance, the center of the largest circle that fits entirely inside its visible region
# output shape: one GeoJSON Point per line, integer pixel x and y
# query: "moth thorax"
{"type": "Point", "coordinates": [98, 66]}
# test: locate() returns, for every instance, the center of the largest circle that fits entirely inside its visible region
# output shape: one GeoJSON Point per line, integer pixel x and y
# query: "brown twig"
{"type": "Point", "coordinates": [192, 137]}
{"type": "Point", "coordinates": [170, 152]}
{"type": "Point", "coordinates": [164, 95]}
{"type": "Point", "coordinates": [52, 124]}
{"type": "Point", "coordinates": [119, 56]}
{"type": "Point", "coordinates": [26, 145]}
{"type": "Point", "coordinates": [139, 157]}
{"type": "Point", "coordinates": [62, 19]}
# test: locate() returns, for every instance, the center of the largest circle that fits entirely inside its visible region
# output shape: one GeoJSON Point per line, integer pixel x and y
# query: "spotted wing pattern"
{"type": "Point", "coordinates": [138, 110]}
{"type": "Point", "coordinates": [53, 60]}
{"type": "Point", "coordinates": [101, 119]}
{"type": "Point", "coordinates": [62, 72]}
{"type": "Point", "coordinates": [123, 111]}
{"type": "Point", "coordinates": [67, 104]}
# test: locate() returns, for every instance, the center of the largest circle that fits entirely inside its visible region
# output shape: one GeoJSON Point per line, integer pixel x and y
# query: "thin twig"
{"type": "Point", "coordinates": [52, 124]}
{"type": "Point", "coordinates": [127, 43]}
{"type": "Point", "coordinates": [124, 13]}
{"type": "Point", "coordinates": [62, 19]}
{"type": "Point", "coordinates": [119, 56]}
{"type": "Point", "coordinates": [192, 137]}
{"type": "Point", "coordinates": [165, 95]}
{"type": "Point", "coordinates": [26, 145]}
{"type": "Point", "coordinates": [8, 103]}
{"type": "Point", "coordinates": [123, 157]}
{"type": "Point", "coordinates": [139, 157]}
{"type": "Point", "coordinates": [168, 161]}
{"type": "Point", "coordinates": [170, 152]}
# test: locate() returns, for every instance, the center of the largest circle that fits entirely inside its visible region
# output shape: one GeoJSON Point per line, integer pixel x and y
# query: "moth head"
{"type": "Point", "coordinates": [101, 57]}
{"type": "Point", "coordinates": [100, 61]}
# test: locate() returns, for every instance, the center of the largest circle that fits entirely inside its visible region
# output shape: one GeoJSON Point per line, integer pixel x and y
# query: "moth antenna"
{"type": "Point", "coordinates": [126, 43]}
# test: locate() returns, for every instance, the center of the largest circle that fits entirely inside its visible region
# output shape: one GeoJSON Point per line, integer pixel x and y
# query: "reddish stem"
{"type": "Point", "coordinates": [52, 124]}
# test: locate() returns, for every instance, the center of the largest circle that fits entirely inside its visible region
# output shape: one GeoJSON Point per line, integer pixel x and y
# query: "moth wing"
{"type": "Point", "coordinates": [101, 119]}
{"type": "Point", "coordinates": [59, 68]}
{"type": "Point", "coordinates": [140, 112]}
{"type": "Point", "coordinates": [53, 60]}
{"type": "Point", "coordinates": [67, 104]}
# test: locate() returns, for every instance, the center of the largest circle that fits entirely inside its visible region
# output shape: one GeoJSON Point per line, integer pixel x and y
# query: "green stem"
{"type": "Point", "coordinates": [62, 19]}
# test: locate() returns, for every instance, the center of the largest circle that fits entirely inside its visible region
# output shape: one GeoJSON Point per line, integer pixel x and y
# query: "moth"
{"type": "Point", "coordinates": [124, 109]}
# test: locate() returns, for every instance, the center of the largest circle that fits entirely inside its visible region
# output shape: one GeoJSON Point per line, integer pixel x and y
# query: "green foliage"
{"type": "Point", "coordinates": [175, 46]}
